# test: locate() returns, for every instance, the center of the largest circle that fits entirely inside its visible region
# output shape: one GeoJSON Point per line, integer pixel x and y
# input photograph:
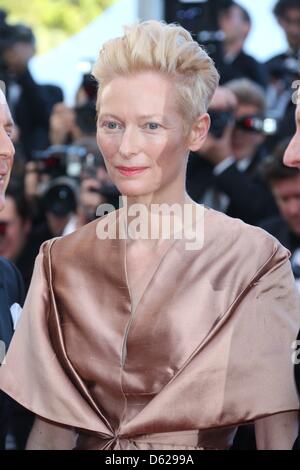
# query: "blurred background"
{"type": "Point", "coordinates": [70, 33]}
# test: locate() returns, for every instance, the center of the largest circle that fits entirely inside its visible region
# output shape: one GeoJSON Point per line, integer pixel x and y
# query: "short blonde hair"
{"type": "Point", "coordinates": [168, 49]}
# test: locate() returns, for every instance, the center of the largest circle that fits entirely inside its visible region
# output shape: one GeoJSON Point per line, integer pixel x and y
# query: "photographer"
{"type": "Point", "coordinates": [73, 137]}
{"type": "Point", "coordinates": [87, 91]}
{"type": "Point", "coordinates": [80, 161]}
{"type": "Point", "coordinates": [61, 124]}
{"type": "Point", "coordinates": [79, 127]}
{"type": "Point", "coordinates": [226, 175]}
{"type": "Point", "coordinates": [287, 13]}
{"type": "Point", "coordinates": [30, 103]}
{"type": "Point", "coordinates": [235, 23]}
{"type": "Point", "coordinates": [284, 69]}
{"type": "Point", "coordinates": [74, 125]}
{"type": "Point", "coordinates": [222, 26]}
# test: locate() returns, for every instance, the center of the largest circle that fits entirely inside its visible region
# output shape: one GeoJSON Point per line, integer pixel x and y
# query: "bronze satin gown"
{"type": "Point", "coordinates": [207, 348]}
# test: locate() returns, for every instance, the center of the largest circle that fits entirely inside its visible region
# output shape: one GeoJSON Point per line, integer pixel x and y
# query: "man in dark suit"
{"type": "Point", "coordinates": [283, 69]}
{"type": "Point", "coordinates": [30, 103]}
{"type": "Point", "coordinates": [11, 299]}
{"type": "Point", "coordinates": [11, 284]}
{"type": "Point", "coordinates": [287, 13]}
{"type": "Point", "coordinates": [235, 22]}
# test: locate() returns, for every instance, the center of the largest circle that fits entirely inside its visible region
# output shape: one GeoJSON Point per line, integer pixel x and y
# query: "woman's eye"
{"type": "Point", "coordinates": [153, 126]}
{"type": "Point", "coordinates": [111, 125]}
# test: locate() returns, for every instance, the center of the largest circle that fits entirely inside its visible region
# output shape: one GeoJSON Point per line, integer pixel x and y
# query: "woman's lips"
{"type": "Point", "coordinates": [130, 171]}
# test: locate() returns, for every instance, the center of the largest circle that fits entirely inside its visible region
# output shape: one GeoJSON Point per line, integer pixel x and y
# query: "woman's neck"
{"type": "Point", "coordinates": [154, 218]}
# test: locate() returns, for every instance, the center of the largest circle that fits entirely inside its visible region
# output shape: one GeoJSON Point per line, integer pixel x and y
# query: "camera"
{"type": "Point", "coordinates": [219, 122]}
{"type": "Point", "coordinates": [250, 123]}
{"type": "Point", "coordinates": [197, 16]}
{"type": "Point", "coordinates": [264, 125]}
{"type": "Point", "coordinates": [65, 160]}
{"type": "Point", "coordinates": [201, 19]}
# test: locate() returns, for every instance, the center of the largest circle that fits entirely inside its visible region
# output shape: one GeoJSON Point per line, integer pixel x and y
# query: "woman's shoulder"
{"type": "Point", "coordinates": [234, 235]}
{"type": "Point", "coordinates": [82, 238]}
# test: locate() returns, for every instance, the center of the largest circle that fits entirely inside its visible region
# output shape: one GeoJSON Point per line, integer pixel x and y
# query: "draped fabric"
{"type": "Point", "coordinates": [208, 346]}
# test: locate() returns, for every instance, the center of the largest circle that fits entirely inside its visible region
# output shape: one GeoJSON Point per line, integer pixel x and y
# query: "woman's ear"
{"type": "Point", "coordinates": [198, 132]}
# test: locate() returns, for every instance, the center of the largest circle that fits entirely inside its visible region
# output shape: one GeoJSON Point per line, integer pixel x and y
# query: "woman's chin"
{"type": "Point", "coordinates": [134, 189]}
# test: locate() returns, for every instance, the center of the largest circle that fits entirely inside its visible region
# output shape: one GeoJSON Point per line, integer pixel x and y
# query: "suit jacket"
{"type": "Point", "coordinates": [243, 66]}
{"type": "Point", "coordinates": [11, 291]}
{"type": "Point", "coordinates": [32, 110]}
{"type": "Point", "coordinates": [250, 198]}
{"type": "Point", "coordinates": [207, 347]}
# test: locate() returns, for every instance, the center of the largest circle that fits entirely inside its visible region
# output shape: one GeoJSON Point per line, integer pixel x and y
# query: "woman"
{"type": "Point", "coordinates": [147, 342]}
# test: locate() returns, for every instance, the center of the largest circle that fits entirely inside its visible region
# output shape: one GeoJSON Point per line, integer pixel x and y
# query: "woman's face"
{"type": "Point", "coordinates": [140, 134]}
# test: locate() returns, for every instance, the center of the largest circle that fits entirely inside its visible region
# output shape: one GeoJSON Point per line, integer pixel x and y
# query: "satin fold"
{"type": "Point", "coordinates": [209, 346]}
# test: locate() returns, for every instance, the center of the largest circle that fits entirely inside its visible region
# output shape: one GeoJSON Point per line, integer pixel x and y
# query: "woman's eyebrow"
{"type": "Point", "coordinates": [151, 116]}
{"type": "Point", "coordinates": [142, 116]}
{"type": "Point", "coordinates": [106, 115]}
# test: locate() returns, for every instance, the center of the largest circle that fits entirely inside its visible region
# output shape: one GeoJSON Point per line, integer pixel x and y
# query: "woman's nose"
{"type": "Point", "coordinates": [129, 145]}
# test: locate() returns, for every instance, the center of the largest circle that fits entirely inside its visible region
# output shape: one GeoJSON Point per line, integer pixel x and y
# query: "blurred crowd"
{"type": "Point", "coordinates": [240, 169]}
{"type": "Point", "coordinates": [59, 177]}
